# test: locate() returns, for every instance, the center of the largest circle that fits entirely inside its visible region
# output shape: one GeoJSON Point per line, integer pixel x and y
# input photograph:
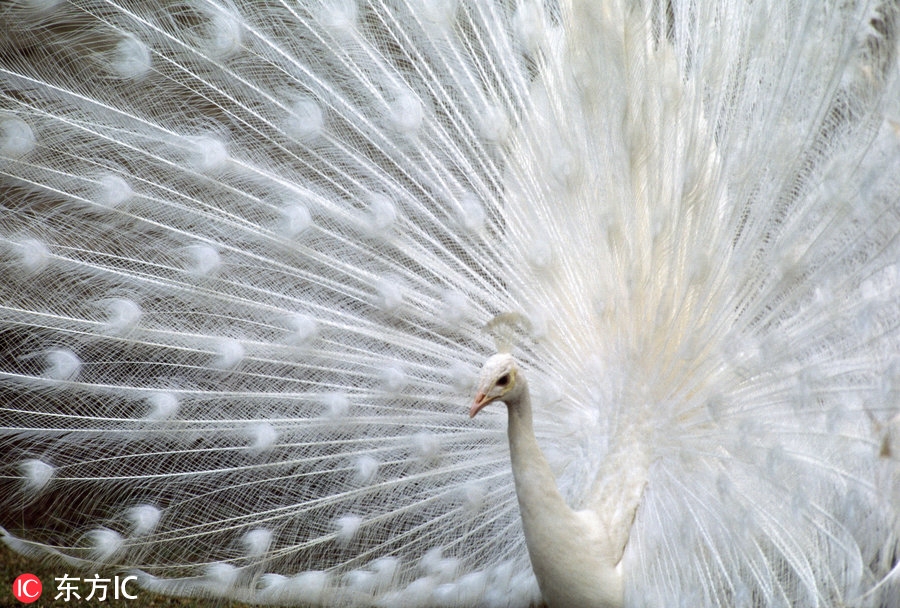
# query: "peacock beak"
{"type": "Point", "coordinates": [481, 400]}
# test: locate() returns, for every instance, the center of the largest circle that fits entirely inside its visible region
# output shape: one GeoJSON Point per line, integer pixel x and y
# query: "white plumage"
{"type": "Point", "coordinates": [248, 251]}
{"type": "Point", "coordinates": [576, 555]}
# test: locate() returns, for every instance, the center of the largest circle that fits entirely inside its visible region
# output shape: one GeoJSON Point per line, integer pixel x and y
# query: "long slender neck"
{"type": "Point", "coordinates": [535, 484]}
{"type": "Point", "coordinates": [570, 552]}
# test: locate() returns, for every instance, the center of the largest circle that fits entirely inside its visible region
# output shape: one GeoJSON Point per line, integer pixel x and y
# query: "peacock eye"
{"type": "Point", "coordinates": [503, 380]}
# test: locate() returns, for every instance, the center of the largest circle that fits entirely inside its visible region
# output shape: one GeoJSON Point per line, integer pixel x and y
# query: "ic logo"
{"type": "Point", "coordinates": [27, 588]}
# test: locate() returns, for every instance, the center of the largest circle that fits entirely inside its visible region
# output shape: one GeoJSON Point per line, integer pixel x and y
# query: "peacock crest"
{"type": "Point", "coordinates": [253, 256]}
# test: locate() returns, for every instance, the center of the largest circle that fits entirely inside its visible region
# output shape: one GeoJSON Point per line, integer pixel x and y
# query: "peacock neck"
{"type": "Point", "coordinates": [570, 551]}
{"type": "Point", "coordinates": [535, 483]}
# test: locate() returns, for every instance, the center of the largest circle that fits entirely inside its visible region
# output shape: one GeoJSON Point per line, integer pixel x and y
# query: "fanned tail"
{"type": "Point", "coordinates": [248, 251]}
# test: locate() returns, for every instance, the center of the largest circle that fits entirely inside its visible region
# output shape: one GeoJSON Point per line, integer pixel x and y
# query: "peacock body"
{"type": "Point", "coordinates": [249, 250]}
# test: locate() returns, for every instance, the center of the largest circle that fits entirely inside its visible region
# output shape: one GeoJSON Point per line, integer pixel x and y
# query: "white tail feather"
{"type": "Point", "coordinates": [248, 251]}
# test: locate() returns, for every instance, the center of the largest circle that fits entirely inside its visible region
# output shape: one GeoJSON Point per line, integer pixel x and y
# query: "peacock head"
{"type": "Point", "coordinates": [499, 381]}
